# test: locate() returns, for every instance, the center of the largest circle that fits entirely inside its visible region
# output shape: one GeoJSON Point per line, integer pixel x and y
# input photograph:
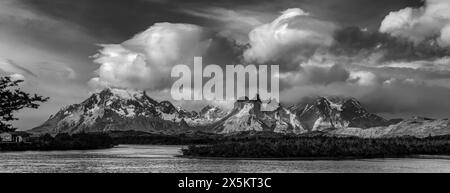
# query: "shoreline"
{"type": "Point", "coordinates": [54, 149]}
{"type": "Point", "coordinates": [343, 158]}
{"type": "Point", "coordinates": [443, 157]}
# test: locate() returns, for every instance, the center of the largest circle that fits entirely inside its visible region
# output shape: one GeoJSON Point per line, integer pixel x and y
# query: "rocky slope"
{"type": "Point", "coordinates": [116, 109]}
{"type": "Point", "coordinates": [247, 116]}
{"type": "Point", "coordinates": [324, 113]}
{"type": "Point", "coordinates": [416, 126]}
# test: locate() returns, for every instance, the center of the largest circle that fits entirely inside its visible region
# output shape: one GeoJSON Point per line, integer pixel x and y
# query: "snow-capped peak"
{"type": "Point", "coordinates": [114, 109]}
{"type": "Point", "coordinates": [128, 94]}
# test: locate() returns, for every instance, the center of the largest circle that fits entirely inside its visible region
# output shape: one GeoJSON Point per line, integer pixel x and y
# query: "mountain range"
{"type": "Point", "coordinates": [122, 110]}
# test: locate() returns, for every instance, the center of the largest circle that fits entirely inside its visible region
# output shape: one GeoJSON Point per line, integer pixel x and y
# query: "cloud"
{"type": "Point", "coordinates": [409, 96]}
{"type": "Point", "coordinates": [234, 24]}
{"type": "Point", "coordinates": [290, 38]}
{"type": "Point", "coordinates": [373, 66]}
{"type": "Point", "coordinates": [55, 70]}
{"type": "Point", "coordinates": [429, 71]}
{"type": "Point", "coordinates": [376, 47]}
{"type": "Point", "coordinates": [444, 40]}
{"type": "Point", "coordinates": [395, 87]}
{"type": "Point", "coordinates": [398, 67]}
{"type": "Point", "coordinates": [314, 72]}
{"type": "Point", "coordinates": [43, 51]}
{"type": "Point", "coordinates": [9, 66]}
{"type": "Point", "coordinates": [145, 60]}
{"type": "Point", "coordinates": [439, 64]}
{"type": "Point", "coordinates": [42, 71]}
{"type": "Point", "coordinates": [396, 97]}
{"type": "Point", "coordinates": [419, 24]}
{"type": "Point", "coordinates": [17, 76]}
{"type": "Point", "coordinates": [53, 79]}
{"type": "Point", "coordinates": [363, 78]}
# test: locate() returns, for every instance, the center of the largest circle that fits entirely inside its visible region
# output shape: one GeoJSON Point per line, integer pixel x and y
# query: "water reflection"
{"type": "Point", "coordinates": [150, 158]}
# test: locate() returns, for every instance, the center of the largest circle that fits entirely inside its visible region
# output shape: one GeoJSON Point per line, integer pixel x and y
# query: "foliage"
{"type": "Point", "coordinates": [63, 141]}
{"type": "Point", "coordinates": [13, 99]}
{"type": "Point", "coordinates": [322, 146]}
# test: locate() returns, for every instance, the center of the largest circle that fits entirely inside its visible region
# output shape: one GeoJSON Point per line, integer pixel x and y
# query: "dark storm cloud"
{"type": "Point", "coordinates": [35, 29]}
{"type": "Point", "coordinates": [112, 20]}
{"type": "Point", "coordinates": [399, 98]}
{"type": "Point", "coordinates": [314, 75]}
{"type": "Point", "coordinates": [415, 99]}
{"type": "Point", "coordinates": [223, 51]}
{"type": "Point", "coordinates": [119, 18]}
{"type": "Point", "coordinates": [364, 13]}
{"type": "Point", "coordinates": [337, 73]}
{"type": "Point", "coordinates": [352, 41]}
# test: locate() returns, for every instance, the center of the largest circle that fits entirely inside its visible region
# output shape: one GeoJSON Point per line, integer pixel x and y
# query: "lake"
{"type": "Point", "coordinates": [158, 158]}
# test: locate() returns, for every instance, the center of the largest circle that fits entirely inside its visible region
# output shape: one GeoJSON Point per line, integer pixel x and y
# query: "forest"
{"type": "Point", "coordinates": [318, 146]}
{"type": "Point", "coordinates": [63, 141]}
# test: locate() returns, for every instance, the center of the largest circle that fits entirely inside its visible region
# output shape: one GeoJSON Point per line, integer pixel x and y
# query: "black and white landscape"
{"type": "Point", "coordinates": [359, 80]}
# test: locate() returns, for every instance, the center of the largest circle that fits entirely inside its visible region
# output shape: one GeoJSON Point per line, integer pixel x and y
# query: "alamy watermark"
{"type": "Point", "coordinates": [229, 85]}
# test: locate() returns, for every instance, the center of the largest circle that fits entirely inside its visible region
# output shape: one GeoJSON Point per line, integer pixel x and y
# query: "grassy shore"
{"type": "Point", "coordinates": [322, 147]}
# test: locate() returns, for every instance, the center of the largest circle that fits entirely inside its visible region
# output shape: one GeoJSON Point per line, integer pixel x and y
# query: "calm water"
{"type": "Point", "coordinates": [151, 158]}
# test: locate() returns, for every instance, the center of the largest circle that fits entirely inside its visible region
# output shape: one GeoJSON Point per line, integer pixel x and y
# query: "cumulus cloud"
{"type": "Point", "coordinates": [145, 60]}
{"type": "Point", "coordinates": [363, 78]}
{"type": "Point", "coordinates": [418, 24]}
{"type": "Point", "coordinates": [291, 38]}
{"type": "Point", "coordinates": [374, 67]}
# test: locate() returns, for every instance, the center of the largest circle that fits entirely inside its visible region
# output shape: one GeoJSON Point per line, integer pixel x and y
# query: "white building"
{"type": "Point", "coordinates": [6, 137]}
{"type": "Point", "coordinates": [14, 137]}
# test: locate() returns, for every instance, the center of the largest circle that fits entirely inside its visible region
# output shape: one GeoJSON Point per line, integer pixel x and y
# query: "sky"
{"type": "Point", "coordinates": [392, 55]}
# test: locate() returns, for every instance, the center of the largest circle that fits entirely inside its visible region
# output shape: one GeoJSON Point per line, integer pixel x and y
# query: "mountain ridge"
{"type": "Point", "coordinates": [121, 110]}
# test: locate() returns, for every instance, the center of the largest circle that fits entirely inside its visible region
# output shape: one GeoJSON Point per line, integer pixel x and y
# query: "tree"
{"type": "Point", "coordinates": [13, 99]}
